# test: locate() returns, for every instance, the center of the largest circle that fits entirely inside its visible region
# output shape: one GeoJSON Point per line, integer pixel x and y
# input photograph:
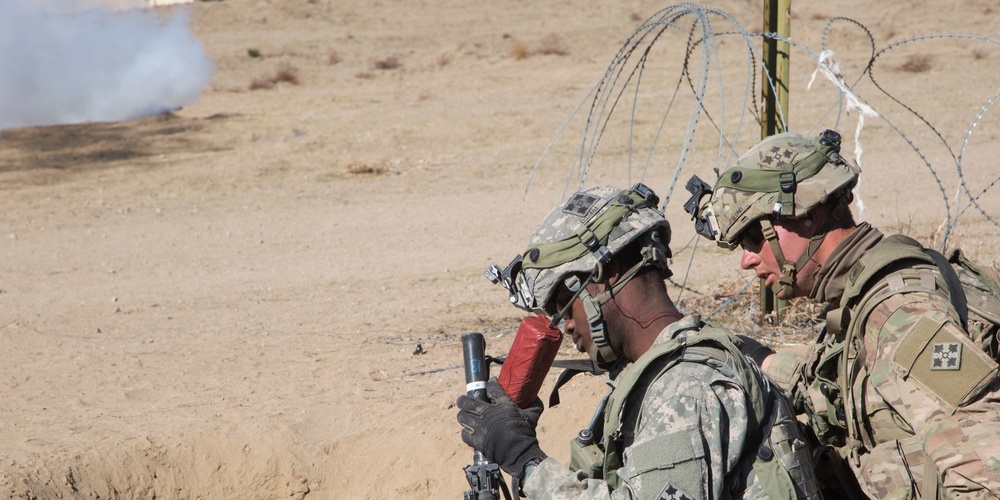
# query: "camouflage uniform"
{"type": "Point", "coordinates": [903, 419]}
{"type": "Point", "coordinates": [895, 383]}
{"type": "Point", "coordinates": [714, 428]}
{"type": "Point", "coordinates": [688, 437]}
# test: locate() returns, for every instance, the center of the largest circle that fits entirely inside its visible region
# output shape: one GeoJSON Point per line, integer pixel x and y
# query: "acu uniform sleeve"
{"type": "Point", "coordinates": [671, 461]}
{"type": "Point", "coordinates": [669, 458]}
{"type": "Point", "coordinates": [552, 481]}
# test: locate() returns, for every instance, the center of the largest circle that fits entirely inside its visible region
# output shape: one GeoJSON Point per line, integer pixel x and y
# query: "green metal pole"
{"type": "Point", "coordinates": [777, 19]}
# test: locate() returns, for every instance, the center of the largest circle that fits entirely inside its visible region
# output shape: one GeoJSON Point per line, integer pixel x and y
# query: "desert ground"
{"type": "Point", "coordinates": [226, 301]}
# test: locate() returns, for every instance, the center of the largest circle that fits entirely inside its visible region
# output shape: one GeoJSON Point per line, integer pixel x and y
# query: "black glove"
{"type": "Point", "coordinates": [531, 413]}
{"type": "Point", "coordinates": [504, 433]}
{"type": "Point", "coordinates": [755, 350]}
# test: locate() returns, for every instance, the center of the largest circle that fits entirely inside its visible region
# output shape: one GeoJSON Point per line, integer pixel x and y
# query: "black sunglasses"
{"type": "Point", "coordinates": [752, 238]}
{"type": "Point", "coordinates": [561, 302]}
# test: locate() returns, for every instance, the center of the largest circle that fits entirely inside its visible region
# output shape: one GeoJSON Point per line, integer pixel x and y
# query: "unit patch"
{"type": "Point", "coordinates": [942, 361]}
{"type": "Point", "coordinates": [946, 356]}
{"type": "Point", "coordinates": [672, 492]}
{"type": "Point", "coordinates": [579, 204]}
{"type": "Point", "coordinates": [777, 158]}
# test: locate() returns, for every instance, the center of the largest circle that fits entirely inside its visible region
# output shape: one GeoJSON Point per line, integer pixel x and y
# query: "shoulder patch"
{"type": "Point", "coordinates": [946, 356]}
{"type": "Point", "coordinates": [671, 492]}
{"type": "Point", "coordinates": [943, 362]}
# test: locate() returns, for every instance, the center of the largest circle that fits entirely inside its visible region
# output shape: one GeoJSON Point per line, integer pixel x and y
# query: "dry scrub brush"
{"type": "Point", "coordinates": [366, 168]}
{"type": "Point", "coordinates": [287, 74]}
{"type": "Point", "coordinates": [740, 312]}
{"type": "Point", "coordinates": [552, 44]}
{"type": "Point", "coordinates": [917, 64]}
{"type": "Point", "coordinates": [391, 62]}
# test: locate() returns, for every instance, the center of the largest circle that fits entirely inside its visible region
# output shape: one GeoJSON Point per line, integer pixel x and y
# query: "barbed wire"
{"type": "Point", "coordinates": [622, 86]}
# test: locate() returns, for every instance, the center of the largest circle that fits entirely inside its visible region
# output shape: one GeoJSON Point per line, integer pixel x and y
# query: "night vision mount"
{"type": "Point", "coordinates": [699, 189]}
{"type": "Point", "coordinates": [519, 285]}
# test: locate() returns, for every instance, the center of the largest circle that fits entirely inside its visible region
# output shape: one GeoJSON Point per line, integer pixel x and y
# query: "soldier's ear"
{"type": "Point", "coordinates": [810, 223]}
{"type": "Point", "coordinates": [612, 272]}
{"type": "Point", "coordinates": [816, 219]}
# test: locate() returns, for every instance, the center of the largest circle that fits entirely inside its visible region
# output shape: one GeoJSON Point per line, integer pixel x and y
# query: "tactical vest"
{"type": "Point", "coordinates": [896, 265]}
{"type": "Point", "coordinates": [780, 458]}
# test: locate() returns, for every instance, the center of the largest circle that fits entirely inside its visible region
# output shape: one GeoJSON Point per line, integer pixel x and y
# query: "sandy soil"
{"type": "Point", "coordinates": [224, 302]}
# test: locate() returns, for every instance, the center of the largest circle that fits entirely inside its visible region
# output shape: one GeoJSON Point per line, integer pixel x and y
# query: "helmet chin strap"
{"type": "Point", "coordinates": [788, 269]}
{"type": "Point", "coordinates": [601, 352]}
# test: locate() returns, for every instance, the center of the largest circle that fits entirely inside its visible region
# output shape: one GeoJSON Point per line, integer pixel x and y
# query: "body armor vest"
{"type": "Point", "coordinates": [774, 449]}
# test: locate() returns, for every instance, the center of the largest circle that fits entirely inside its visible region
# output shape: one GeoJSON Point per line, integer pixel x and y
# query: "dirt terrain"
{"type": "Point", "coordinates": [227, 301]}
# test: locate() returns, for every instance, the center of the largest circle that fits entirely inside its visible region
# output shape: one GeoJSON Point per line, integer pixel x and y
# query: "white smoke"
{"type": "Point", "coordinates": [82, 63]}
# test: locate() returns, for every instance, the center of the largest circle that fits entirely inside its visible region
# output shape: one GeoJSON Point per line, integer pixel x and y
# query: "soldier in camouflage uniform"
{"type": "Point", "coordinates": [688, 415]}
{"type": "Point", "coordinates": [901, 382]}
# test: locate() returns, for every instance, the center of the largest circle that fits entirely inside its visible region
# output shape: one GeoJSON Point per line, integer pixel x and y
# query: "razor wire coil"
{"type": "Point", "coordinates": [625, 79]}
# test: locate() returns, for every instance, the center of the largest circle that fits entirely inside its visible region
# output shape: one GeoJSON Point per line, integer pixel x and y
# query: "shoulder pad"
{"type": "Point", "coordinates": [891, 249]}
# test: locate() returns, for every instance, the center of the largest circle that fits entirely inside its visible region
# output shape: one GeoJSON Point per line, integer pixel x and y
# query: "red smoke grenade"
{"type": "Point", "coordinates": [535, 347]}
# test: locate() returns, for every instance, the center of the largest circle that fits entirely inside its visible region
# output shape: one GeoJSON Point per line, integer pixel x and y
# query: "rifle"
{"type": "Point", "coordinates": [484, 477]}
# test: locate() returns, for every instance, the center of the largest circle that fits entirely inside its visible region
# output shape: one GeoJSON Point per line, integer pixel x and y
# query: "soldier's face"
{"type": "Point", "coordinates": [579, 331]}
{"type": "Point", "coordinates": [793, 238]}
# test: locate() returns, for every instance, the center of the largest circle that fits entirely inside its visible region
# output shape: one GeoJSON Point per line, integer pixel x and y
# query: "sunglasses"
{"type": "Point", "coordinates": [561, 302]}
{"type": "Point", "coordinates": [752, 238]}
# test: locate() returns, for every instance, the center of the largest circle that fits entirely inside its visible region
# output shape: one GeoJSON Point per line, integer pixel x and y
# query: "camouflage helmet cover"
{"type": "Point", "coordinates": [591, 226]}
{"type": "Point", "coordinates": [783, 176]}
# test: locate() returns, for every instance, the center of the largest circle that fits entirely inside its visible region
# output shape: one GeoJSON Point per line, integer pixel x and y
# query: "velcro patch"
{"type": "Point", "coordinates": [579, 204]}
{"type": "Point", "coordinates": [943, 362]}
{"type": "Point", "coordinates": [671, 492]}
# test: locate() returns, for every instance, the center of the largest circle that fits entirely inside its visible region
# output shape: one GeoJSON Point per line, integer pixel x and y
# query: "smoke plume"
{"type": "Point", "coordinates": [80, 64]}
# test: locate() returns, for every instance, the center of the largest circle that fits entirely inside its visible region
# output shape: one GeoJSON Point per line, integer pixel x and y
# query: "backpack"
{"type": "Point", "coordinates": [974, 290]}
{"type": "Point", "coordinates": [981, 286]}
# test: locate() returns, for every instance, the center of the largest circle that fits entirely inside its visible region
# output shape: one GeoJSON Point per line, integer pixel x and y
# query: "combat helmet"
{"type": "Point", "coordinates": [577, 239]}
{"type": "Point", "coordinates": [784, 176]}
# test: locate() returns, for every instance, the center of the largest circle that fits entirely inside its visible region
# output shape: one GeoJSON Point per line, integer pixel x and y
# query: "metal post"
{"type": "Point", "coordinates": [777, 19]}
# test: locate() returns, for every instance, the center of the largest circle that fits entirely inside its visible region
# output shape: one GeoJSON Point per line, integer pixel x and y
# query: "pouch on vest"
{"type": "Point", "coordinates": [822, 394]}
{"type": "Point", "coordinates": [586, 458]}
{"type": "Point", "coordinates": [886, 471]}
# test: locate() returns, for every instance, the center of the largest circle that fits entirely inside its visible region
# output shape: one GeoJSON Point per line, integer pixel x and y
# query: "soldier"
{"type": "Point", "coordinates": [901, 380]}
{"type": "Point", "coordinates": [688, 417]}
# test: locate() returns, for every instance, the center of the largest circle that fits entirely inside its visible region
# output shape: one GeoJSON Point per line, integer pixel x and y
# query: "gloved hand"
{"type": "Point", "coordinates": [504, 433]}
{"type": "Point", "coordinates": [497, 395]}
{"type": "Point", "coordinates": [755, 350]}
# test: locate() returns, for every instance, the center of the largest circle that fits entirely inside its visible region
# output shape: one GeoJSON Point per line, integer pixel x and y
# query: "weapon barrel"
{"type": "Point", "coordinates": [484, 476]}
{"type": "Point", "coordinates": [477, 372]}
